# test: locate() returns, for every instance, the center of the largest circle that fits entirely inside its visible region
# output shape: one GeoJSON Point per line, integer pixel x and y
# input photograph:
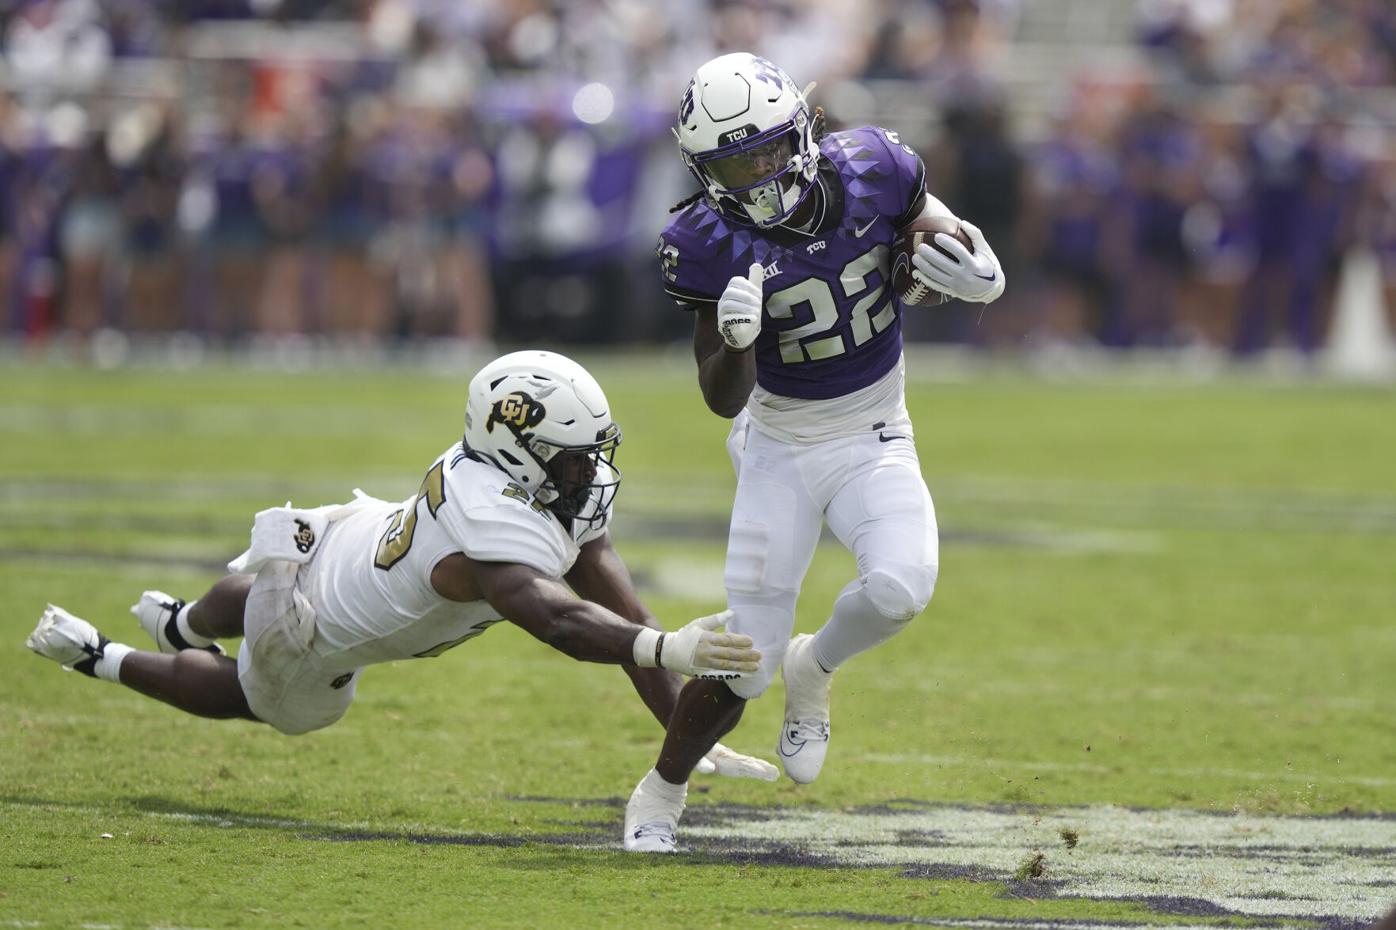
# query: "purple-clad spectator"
{"type": "Point", "coordinates": [981, 174]}
{"type": "Point", "coordinates": [1282, 163]}
{"type": "Point", "coordinates": [1074, 179]}
{"type": "Point", "coordinates": [134, 28]}
{"type": "Point", "coordinates": [1159, 156]}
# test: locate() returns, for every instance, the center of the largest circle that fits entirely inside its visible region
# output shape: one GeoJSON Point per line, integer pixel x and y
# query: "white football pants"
{"type": "Point", "coordinates": [870, 491]}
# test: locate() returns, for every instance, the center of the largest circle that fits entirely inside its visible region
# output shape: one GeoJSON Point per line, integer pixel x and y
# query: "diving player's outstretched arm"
{"type": "Point", "coordinates": [591, 633]}
{"type": "Point", "coordinates": [601, 577]}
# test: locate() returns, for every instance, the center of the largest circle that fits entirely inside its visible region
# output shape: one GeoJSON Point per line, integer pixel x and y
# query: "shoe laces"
{"type": "Point", "coordinates": [807, 731]}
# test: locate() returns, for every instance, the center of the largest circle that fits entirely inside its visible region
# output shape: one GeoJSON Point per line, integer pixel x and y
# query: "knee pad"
{"type": "Point", "coordinates": [900, 592]}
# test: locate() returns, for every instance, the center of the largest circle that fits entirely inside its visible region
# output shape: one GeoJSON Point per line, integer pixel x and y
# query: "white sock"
{"type": "Point", "coordinates": [856, 626]}
{"type": "Point", "coordinates": [197, 640]}
{"type": "Point", "coordinates": [109, 665]}
{"type": "Point", "coordinates": [667, 790]}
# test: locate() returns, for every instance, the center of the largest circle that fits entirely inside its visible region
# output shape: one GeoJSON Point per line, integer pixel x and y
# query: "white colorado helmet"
{"type": "Point", "coordinates": [527, 412]}
{"type": "Point", "coordinates": [746, 133]}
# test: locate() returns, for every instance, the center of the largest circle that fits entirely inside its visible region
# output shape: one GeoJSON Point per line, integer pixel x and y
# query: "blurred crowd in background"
{"type": "Point", "coordinates": [379, 171]}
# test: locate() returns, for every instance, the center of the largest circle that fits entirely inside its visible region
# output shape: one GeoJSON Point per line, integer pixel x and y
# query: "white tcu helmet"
{"type": "Point", "coordinates": [746, 133]}
{"type": "Point", "coordinates": [528, 408]}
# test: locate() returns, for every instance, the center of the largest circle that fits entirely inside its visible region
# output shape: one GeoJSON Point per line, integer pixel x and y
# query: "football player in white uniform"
{"type": "Point", "coordinates": [502, 518]}
{"type": "Point", "coordinates": [784, 260]}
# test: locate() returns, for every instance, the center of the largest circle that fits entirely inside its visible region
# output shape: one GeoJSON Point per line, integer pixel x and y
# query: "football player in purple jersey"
{"type": "Point", "coordinates": [784, 260]}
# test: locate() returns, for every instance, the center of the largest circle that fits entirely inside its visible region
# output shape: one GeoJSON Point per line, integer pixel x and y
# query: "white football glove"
{"type": "Point", "coordinates": [724, 761]}
{"type": "Point", "coordinates": [976, 277]}
{"type": "Point", "coordinates": [739, 309]}
{"type": "Point", "coordinates": [698, 650]}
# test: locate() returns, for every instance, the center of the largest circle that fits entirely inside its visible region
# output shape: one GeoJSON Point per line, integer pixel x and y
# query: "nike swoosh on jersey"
{"type": "Point", "coordinates": [858, 233]}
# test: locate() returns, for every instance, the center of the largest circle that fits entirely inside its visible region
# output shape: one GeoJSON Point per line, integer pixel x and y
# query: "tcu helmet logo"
{"type": "Point", "coordinates": [769, 74]}
{"type": "Point", "coordinates": [686, 104]}
{"type": "Point", "coordinates": [517, 409]}
{"type": "Point", "coordinates": [304, 537]}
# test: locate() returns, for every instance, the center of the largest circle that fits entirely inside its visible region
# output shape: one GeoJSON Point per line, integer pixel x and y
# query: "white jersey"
{"type": "Point", "coordinates": [802, 421]}
{"type": "Point", "coordinates": [370, 580]}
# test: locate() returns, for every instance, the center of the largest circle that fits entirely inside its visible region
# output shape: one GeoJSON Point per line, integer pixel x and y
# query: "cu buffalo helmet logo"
{"type": "Point", "coordinates": [304, 536]}
{"type": "Point", "coordinates": [517, 410]}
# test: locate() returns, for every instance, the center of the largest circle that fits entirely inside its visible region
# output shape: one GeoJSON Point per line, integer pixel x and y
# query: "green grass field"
{"type": "Point", "coordinates": [1154, 685]}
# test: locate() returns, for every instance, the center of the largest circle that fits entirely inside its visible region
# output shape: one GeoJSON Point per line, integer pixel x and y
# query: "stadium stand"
{"type": "Point", "coordinates": [1165, 174]}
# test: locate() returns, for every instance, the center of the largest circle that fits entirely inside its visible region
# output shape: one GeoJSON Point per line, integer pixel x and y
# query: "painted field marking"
{"type": "Point", "coordinates": [1335, 870]}
{"type": "Point", "coordinates": [1371, 781]}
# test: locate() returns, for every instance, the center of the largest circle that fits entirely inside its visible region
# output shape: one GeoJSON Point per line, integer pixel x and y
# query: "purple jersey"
{"type": "Point", "coordinates": [831, 324]}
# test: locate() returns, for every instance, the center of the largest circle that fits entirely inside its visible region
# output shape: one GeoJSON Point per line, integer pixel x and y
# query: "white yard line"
{"type": "Point", "coordinates": [1264, 867]}
{"type": "Point", "coordinates": [1371, 781]}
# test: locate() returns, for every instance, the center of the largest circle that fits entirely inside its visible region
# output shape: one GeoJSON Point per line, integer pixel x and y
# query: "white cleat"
{"type": "Point", "coordinates": [651, 819]}
{"type": "Point", "coordinates": [70, 641]}
{"type": "Point", "coordinates": [804, 737]}
{"type": "Point", "coordinates": [156, 611]}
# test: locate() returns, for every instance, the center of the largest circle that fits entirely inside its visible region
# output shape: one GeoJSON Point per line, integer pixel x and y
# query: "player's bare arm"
{"type": "Point", "coordinates": [600, 576]}
{"type": "Point", "coordinates": [726, 377]}
{"type": "Point", "coordinates": [551, 613]}
{"type": "Point", "coordinates": [586, 631]}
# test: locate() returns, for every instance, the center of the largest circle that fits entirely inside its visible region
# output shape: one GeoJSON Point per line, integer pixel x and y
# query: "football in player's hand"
{"type": "Point", "coordinates": [910, 289]}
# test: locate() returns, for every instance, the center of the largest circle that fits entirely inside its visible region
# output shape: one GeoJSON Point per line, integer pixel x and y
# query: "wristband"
{"type": "Point", "coordinates": [646, 648]}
